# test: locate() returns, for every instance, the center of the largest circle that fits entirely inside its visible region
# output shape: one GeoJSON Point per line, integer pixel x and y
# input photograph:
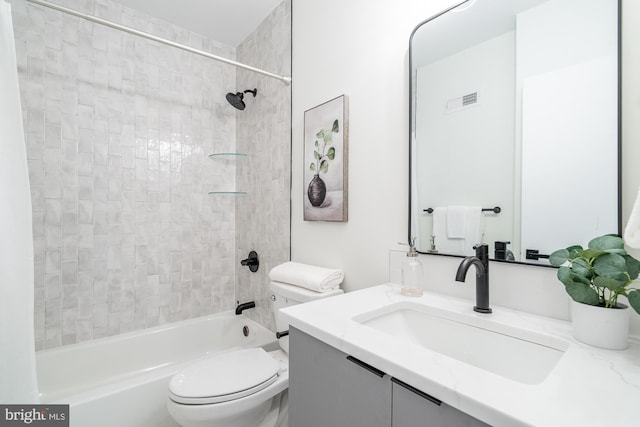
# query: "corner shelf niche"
{"type": "Point", "coordinates": [228, 156]}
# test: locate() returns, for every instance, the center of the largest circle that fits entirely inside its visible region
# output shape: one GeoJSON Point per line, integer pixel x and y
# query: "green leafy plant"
{"type": "Point", "coordinates": [323, 151]}
{"type": "Point", "coordinates": [599, 274]}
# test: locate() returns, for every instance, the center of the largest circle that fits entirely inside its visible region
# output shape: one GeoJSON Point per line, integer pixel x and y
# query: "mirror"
{"type": "Point", "coordinates": [515, 133]}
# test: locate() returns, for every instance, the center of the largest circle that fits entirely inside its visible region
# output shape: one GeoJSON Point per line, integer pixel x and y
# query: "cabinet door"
{"type": "Point", "coordinates": [413, 408]}
{"type": "Point", "coordinates": [327, 389]}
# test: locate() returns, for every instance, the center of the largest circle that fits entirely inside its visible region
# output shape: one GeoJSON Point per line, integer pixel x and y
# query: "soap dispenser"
{"type": "Point", "coordinates": [411, 272]}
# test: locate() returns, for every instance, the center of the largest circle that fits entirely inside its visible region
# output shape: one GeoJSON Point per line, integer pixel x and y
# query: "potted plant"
{"type": "Point", "coordinates": [594, 278]}
{"type": "Point", "coordinates": [322, 153]}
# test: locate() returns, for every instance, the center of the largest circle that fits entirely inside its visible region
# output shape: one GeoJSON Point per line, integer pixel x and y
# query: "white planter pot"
{"type": "Point", "coordinates": [599, 326]}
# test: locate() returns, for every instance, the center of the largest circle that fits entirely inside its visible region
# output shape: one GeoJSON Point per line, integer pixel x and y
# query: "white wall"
{"type": "Point", "coordinates": [630, 106]}
{"type": "Point", "coordinates": [360, 48]}
{"type": "Point", "coordinates": [630, 114]}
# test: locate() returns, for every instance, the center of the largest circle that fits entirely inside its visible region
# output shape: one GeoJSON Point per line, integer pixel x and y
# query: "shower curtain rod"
{"type": "Point", "coordinates": [285, 79]}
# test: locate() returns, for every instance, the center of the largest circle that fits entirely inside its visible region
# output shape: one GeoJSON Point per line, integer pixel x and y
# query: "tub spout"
{"type": "Point", "coordinates": [245, 305]}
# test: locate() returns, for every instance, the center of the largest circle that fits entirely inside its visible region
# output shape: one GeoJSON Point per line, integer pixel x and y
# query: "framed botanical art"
{"type": "Point", "coordinates": [325, 161]}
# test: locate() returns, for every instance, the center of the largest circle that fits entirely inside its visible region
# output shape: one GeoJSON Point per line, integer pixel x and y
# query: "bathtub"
{"type": "Point", "coordinates": [122, 381]}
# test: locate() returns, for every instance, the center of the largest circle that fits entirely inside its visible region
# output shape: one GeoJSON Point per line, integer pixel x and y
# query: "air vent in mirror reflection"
{"type": "Point", "coordinates": [460, 103]}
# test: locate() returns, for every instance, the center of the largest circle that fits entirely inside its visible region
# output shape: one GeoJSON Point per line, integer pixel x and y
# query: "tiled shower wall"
{"type": "Point", "coordinates": [264, 132]}
{"type": "Point", "coordinates": [118, 132]}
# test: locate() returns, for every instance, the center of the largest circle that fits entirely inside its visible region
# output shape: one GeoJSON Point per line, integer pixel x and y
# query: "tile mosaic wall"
{"type": "Point", "coordinates": [263, 131]}
{"type": "Point", "coordinates": [118, 133]}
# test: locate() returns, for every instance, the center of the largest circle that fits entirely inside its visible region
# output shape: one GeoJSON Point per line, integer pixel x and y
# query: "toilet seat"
{"type": "Point", "coordinates": [224, 377]}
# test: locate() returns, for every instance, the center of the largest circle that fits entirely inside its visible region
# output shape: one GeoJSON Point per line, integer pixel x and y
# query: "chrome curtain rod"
{"type": "Point", "coordinates": [285, 79]}
{"type": "Point", "coordinates": [496, 210]}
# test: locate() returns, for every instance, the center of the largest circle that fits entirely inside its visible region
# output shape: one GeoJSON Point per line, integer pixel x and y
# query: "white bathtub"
{"type": "Point", "coordinates": [122, 381]}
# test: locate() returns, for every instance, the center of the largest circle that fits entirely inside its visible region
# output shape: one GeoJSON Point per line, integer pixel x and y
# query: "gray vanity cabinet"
{"type": "Point", "coordinates": [413, 408]}
{"type": "Point", "coordinates": [328, 390]}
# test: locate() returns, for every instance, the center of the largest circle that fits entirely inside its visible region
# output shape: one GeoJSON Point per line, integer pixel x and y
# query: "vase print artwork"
{"type": "Point", "coordinates": [325, 161]}
{"type": "Point", "coordinates": [323, 153]}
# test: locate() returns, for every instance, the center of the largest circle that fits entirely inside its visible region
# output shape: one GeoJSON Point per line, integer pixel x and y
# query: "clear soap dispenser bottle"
{"type": "Point", "coordinates": [411, 272]}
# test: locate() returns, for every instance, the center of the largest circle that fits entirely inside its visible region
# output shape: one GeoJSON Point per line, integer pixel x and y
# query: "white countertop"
{"type": "Point", "coordinates": [587, 387]}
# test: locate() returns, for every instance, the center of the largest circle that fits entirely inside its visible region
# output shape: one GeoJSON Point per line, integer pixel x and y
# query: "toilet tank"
{"type": "Point", "coordinates": [284, 295]}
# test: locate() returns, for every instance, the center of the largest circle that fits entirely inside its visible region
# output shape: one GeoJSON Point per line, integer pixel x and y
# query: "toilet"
{"type": "Point", "coordinates": [240, 388]}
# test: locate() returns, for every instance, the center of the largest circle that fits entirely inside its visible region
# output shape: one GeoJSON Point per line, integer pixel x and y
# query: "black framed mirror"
{"type": "Point", "coordinates": [515, 128]}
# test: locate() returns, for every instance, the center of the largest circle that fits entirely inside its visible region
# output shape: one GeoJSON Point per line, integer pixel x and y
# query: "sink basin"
{"type": "Point", "coordinates": [513, 353]}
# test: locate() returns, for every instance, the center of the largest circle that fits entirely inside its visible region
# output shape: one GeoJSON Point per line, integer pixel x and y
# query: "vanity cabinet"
{"type": "Point", "coordinates": [328, 388]}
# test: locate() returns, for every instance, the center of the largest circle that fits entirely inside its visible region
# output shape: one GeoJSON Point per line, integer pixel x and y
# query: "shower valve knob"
{"type": "Point", "coordinates": [252, 262]}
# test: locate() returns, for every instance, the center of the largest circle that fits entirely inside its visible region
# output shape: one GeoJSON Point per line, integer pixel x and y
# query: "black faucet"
{"type": "Point", "coordinates": [245, 305]}
{"type": "Point", "coordinates": [481, 261]}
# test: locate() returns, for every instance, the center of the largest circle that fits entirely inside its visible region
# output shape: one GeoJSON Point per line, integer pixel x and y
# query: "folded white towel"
{"type": "Point", "coordinates": [632, 230]}
{"type": "Point", "coordinates": [311, 277]}
{"type": "Point", "coordinates": [457, 222]}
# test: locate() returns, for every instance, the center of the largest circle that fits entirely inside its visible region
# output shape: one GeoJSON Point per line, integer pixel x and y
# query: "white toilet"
{"type": "Point", "coordinates": [240, 388]}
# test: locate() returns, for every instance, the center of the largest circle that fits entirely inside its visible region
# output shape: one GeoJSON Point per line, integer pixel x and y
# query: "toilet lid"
{"type": "Point", "coordinates": [224, 377]}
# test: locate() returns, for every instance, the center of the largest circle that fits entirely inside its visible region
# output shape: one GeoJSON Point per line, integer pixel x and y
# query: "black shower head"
{"type": "Point", "coordinates": [236, 99]}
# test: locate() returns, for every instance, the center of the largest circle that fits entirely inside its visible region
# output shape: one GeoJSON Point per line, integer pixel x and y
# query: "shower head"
{"type": "Point", "coordinates": [236, 99]}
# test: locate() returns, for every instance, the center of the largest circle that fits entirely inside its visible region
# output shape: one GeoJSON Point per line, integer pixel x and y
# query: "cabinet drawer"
{"type": "Point", "coordinates": [413, 408]}
{"type": "Point", "coordinates": [328, 388]}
